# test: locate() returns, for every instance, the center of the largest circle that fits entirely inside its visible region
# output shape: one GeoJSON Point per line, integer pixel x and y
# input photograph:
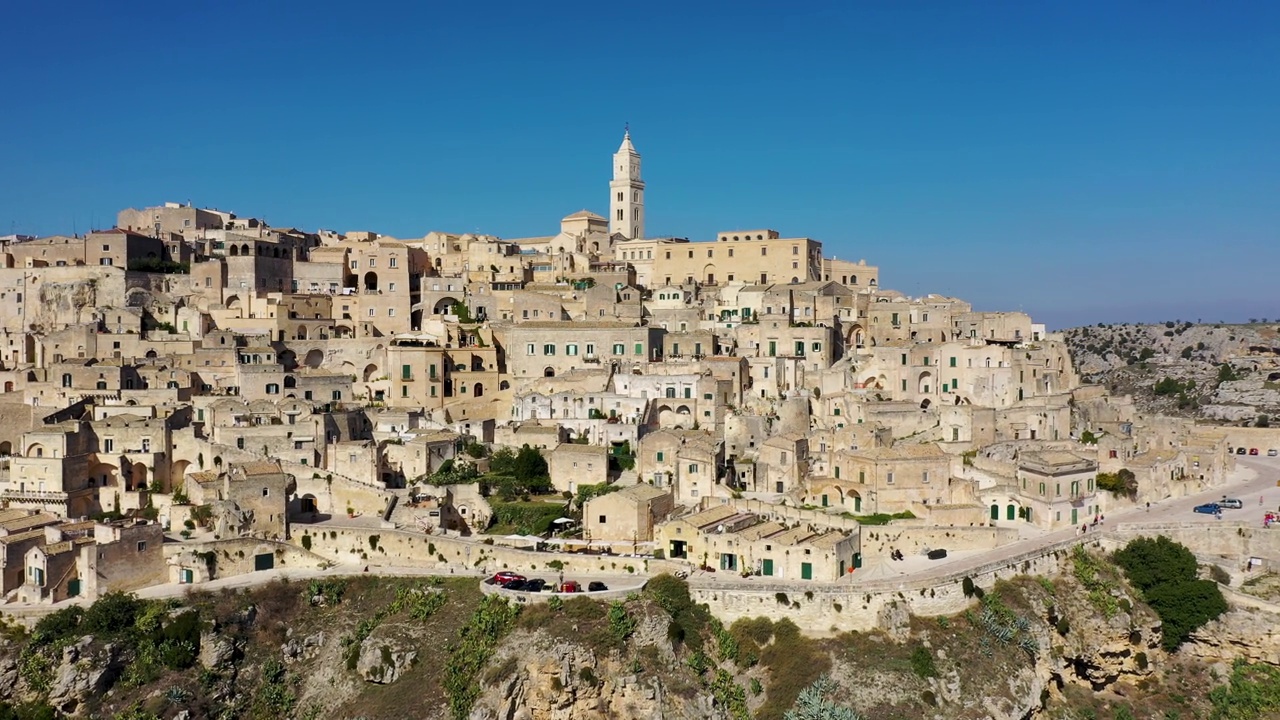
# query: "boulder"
{"type": "Point", "coordinates": [384, 659]}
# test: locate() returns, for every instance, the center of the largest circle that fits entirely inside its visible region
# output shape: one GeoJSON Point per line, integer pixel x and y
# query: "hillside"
{"type": "Point", "coordinates": [1189, 359]}
{"type": "Point", "coordinates": [1074, 645]}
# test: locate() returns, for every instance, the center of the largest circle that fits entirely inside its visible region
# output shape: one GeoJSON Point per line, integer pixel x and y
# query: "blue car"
{"type": "Point", "coordinates": [1208, 508]}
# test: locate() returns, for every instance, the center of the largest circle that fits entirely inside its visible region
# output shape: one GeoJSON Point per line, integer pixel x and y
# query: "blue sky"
{"type": "Point", "coordinates": [1084, 162]}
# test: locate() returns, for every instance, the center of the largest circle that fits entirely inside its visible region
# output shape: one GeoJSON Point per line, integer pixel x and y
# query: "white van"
{"type": "Point", "coordinates": [1231, 503]}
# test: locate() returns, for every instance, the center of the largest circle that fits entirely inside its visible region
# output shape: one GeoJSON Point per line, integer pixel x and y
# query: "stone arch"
{"type": "Point", "coordinates": [300, 333]}
{"type": "Point", "coordinates": [504, 385]}
{"type": "Point", "coordinates": [290, 381]}
{"type": "Point", "coordinates": [244, 249]}
{"type": "Point", "coordinates": [855, 336]}
{"type": "Point", "coordinates": [709, 273]}
{"type": "Point", "coordinates": [478, 389]}
{"type": "Point", "coordinates": [138, 476]}
{"type": "Point", "coordinates": [234, 251]}
{"type": "Point", "coordinates": [371, 280]}
{"type": "Point", "coordinates": [35, 450]}
{"type": "Point", "coordinates": [8, 386]}
{"type": "Point", "coordinates": [924, 383]}
{"type": "Point", "coordinates": [548, 371]}
{"type": "Point", "coordinates": [444, 306]}
{"type": "Point", "coordinates": [313, 358]}
{"type": "Point", "coordinates": [6, 448]}
{"type": "Point", "coordinates": [178, 471]}
{"type": "Point", "coordinates": [924, 404]}
{"type": "Point", "coordinates": [151, 354]}
{"type": "Point", "coordinates": [683, 410]}
{"type": "Point", "coordinates": [370, 372]}
{"type": "Point", "coordinates": [233, 302]}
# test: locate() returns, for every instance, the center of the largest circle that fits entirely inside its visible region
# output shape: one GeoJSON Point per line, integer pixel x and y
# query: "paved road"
{"type": "Point", "coordinates": [1254, 478]}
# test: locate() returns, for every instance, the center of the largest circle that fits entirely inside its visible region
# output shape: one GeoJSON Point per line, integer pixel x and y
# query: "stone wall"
{"type": "Point", "coordinates": [235, 556]}
{"type": "Point", "coordinates": [877, 541]}
{"type": "Point", "coordinates": [826, 609]}
{"type": "Point", "coordinates": [394, 547]}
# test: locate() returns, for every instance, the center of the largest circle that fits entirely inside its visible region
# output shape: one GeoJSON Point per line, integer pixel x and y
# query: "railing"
{"type": "Point", "coordinates": [34, 495]}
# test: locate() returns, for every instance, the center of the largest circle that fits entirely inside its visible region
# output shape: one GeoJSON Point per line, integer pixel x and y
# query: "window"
{"type": "Point", "coordinates": [406, 372]}
{"type": "Point", "coordinates": [889, 478]}
{"type": "Point", "coordinates": [693, 468]}
{"type": "Point", "coordinates": [355, 264]}
{"type": "Point", "coordinates": [795, 249]}
{"type": "Point", "coordinates": [639, 348]}
{"type": "Point", "coordinates": [66, 380]}
{"type": "Point", "coordinates": [273, 389]}
{"type": "Point", "coordinates": [371, 311]}
{"type": "Point", "coordinates": [391, 287]}
{"type": "Point", "coordinates": [817, 347]}
{"type": "Point", "coordinates": [391, 312]}
{"type": "Point", "coordinates": [661, 455]}
{"type": "Point", "coordinates": [570, 349]}
{"type": "Point", "coordinates": [240, 443]}
{"type": "Point", "coordinates": [904, 358]}
{"type": "Point", "coordinates": [925, 477]}
{"type": "Point", "coordinates": [548, 349]}
{"type": "Point", "coordinates": [618, 349]}
{"type": "Point", "coordinates": [266, 492]}
{"type": "Point", "coordinates": [953, 362]}
{"type": "Point", "coordinates": [764, 251]}
{"type": "Point", "coordinates": [142, 546]}
{"type": "Point", "coordinates": [591, 349]}
{"type": "Point", "coordinates": [602, 519]}
{"type": "Point", "coordinates": [108, 445]}
{"type": "Point", "coordinates": [337, 395]}
{"type": "Point", "coordinates": [528, 349]}
{"type": "Point", "coordinates": [373, 262]}
{"type": "Point", "coordinates": [391, 262]}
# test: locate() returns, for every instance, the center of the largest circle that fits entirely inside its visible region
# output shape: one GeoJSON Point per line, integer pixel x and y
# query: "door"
{"type": "Point", "coordinates": [186, 577]}
{"type": "Point", "coordinates": [857, 560]}
{"type": "Point", "coordinates": [824, 501]}
{"type": "Point", "coordinates": [1074, 519]}
{"type": "Point", "coordinates": [995, 512]}
{"type": "Point", "coordinates": [73, 588]}
{"type": "Point", "coordinates": [1010, 512]}
{"type": "Point", "coordinates": [806, 571]}
{"type": "Point", "coordinates": [265, 561]}
{"type": "Point", "coordinates": [766, 567]}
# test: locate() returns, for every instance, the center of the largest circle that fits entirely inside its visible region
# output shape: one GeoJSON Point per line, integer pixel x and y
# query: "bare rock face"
{"type": "Point", "coordinates": [216, 651]}
{"type": "Point", "coordinates": [82, 674]}
{"type": "Point", "coordinates": [383, 657]}
{"type": "Point", "coordinates": [569, 682]}
{"type": "Point", "coordinates": [1241, 633]}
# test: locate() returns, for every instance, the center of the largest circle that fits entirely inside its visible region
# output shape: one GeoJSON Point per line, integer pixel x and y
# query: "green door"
{"type": "Point", "coordinates": [1010, 512]}
{"type": "Point", "coordinates": [857, 560]}
{"type": "Point", "coordinates": [73, 588]}
{"type": "Point", "coordinates": [766, 567]}
{"type": "Point", "coordinates": [806, 571]}
{"type": "Point", "coordinates": [995, 512]}
{"type": "Point", "coordinates": [824, 501]}
{"type": "Point", "coordinates": [857, 503]}
{"type": "Point", "coordinates": [1074, 519]}
{"type": "Point", "coordinates": [187, 577]}
{"type": "Point", "coordinates": [773, 348]}
{"type": "Point", "coordinates": [265, 561]}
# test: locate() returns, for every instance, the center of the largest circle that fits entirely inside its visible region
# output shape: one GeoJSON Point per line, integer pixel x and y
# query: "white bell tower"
{"type": "Point", "coordinates": [626, 192]}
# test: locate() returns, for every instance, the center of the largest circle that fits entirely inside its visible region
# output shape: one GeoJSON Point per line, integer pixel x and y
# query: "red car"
{"type": "Point", "coordinates": [506, 576]}
{"type": "Point", "coordinates": [570, 586]}
{"type": "Point", "coordinates": [1253, 451]}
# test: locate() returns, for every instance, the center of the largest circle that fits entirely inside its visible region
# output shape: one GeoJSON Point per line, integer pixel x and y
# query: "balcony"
{"type": "Point", "coordinates": [34, 496]}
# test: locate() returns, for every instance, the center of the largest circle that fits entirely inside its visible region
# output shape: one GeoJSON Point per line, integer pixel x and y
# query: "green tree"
{"type": "Point", "coordinates": [1183, 607]}
{"type": "Point", "coordinates": [1149, 562]}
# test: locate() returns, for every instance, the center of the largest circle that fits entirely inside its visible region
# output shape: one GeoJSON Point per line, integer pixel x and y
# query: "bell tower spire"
{"type": "Point", "coordinates": [626, 191]}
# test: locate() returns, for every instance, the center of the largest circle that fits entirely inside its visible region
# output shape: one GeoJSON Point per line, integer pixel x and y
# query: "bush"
{"type": "Point", "coordinates": [1165, 572]}
{"type": "Point", "coordinates": [922, 662]}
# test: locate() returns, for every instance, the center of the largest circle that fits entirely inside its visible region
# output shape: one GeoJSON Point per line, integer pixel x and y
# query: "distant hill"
{"type": "Point", "coordinates": [1219, 372]}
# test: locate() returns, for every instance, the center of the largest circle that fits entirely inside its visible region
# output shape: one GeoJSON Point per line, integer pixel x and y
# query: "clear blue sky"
{"type": "Point", "coordinates": [1081, 161]}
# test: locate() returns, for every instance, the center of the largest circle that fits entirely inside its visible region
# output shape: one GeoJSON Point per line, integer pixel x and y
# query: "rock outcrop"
{"type": "Point", "coordinates": [82, 674]}
{"type": "Point", "coordinates": [383, 657]}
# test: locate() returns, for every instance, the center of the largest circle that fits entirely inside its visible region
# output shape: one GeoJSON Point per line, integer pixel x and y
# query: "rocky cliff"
{"type": "Point", "coordinates": [1060, 646]}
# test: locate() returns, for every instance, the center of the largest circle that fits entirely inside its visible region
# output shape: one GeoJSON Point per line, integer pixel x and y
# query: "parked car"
{"type": "Point", "coordinates": [570, 586]}
{"type": "Point", "coordinates": [596, 586]}
{"type": "Point", "coordinates": [1253, 451]}
{"type": "Point", "coordinates": [1208, 509]}
{"type": "Point", "coordinates": [515, 585]}
{"type": "Point", "coordinates": [1273, 452]}
{"type": "Point", "coordinates": [1240, 451]}
{"type": "Point", "coordinates": [937, 554]}
{"type": "Point", "coordinates": [1231, 503]}
{"type": "Point", "coordinates": [535, 585]}
{"type": "Point", "coordinates": [507, 576]}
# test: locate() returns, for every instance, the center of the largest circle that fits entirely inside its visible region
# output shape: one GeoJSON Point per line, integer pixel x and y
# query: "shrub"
{"type": "Point", "coordinates": [1165, 572]}
{"type": "Point", "coordinates": [306, 542]}
{"type": "Point", "coordinates": [922, 662]}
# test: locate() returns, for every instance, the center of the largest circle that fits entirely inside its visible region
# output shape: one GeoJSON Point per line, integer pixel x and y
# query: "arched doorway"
{"type": "Point", "coordinates": [444, 306]}
{"type": "Point", "coordinates": [995, 511]}
{"type": "Point", "coordinates": [478, 389]}
{"type": "Point", "coordinates": [371, 281]}
{"type": "Point", "coordinates": [313, 359]}
{"type": "Point", "coordinates": [138, 477]}
{"type": "Point", "coordinates": [370, 372]}
{"type": "Point", "coordinates": [548, 372]}
{"type": "Point", "coordinates": [925, 383]}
